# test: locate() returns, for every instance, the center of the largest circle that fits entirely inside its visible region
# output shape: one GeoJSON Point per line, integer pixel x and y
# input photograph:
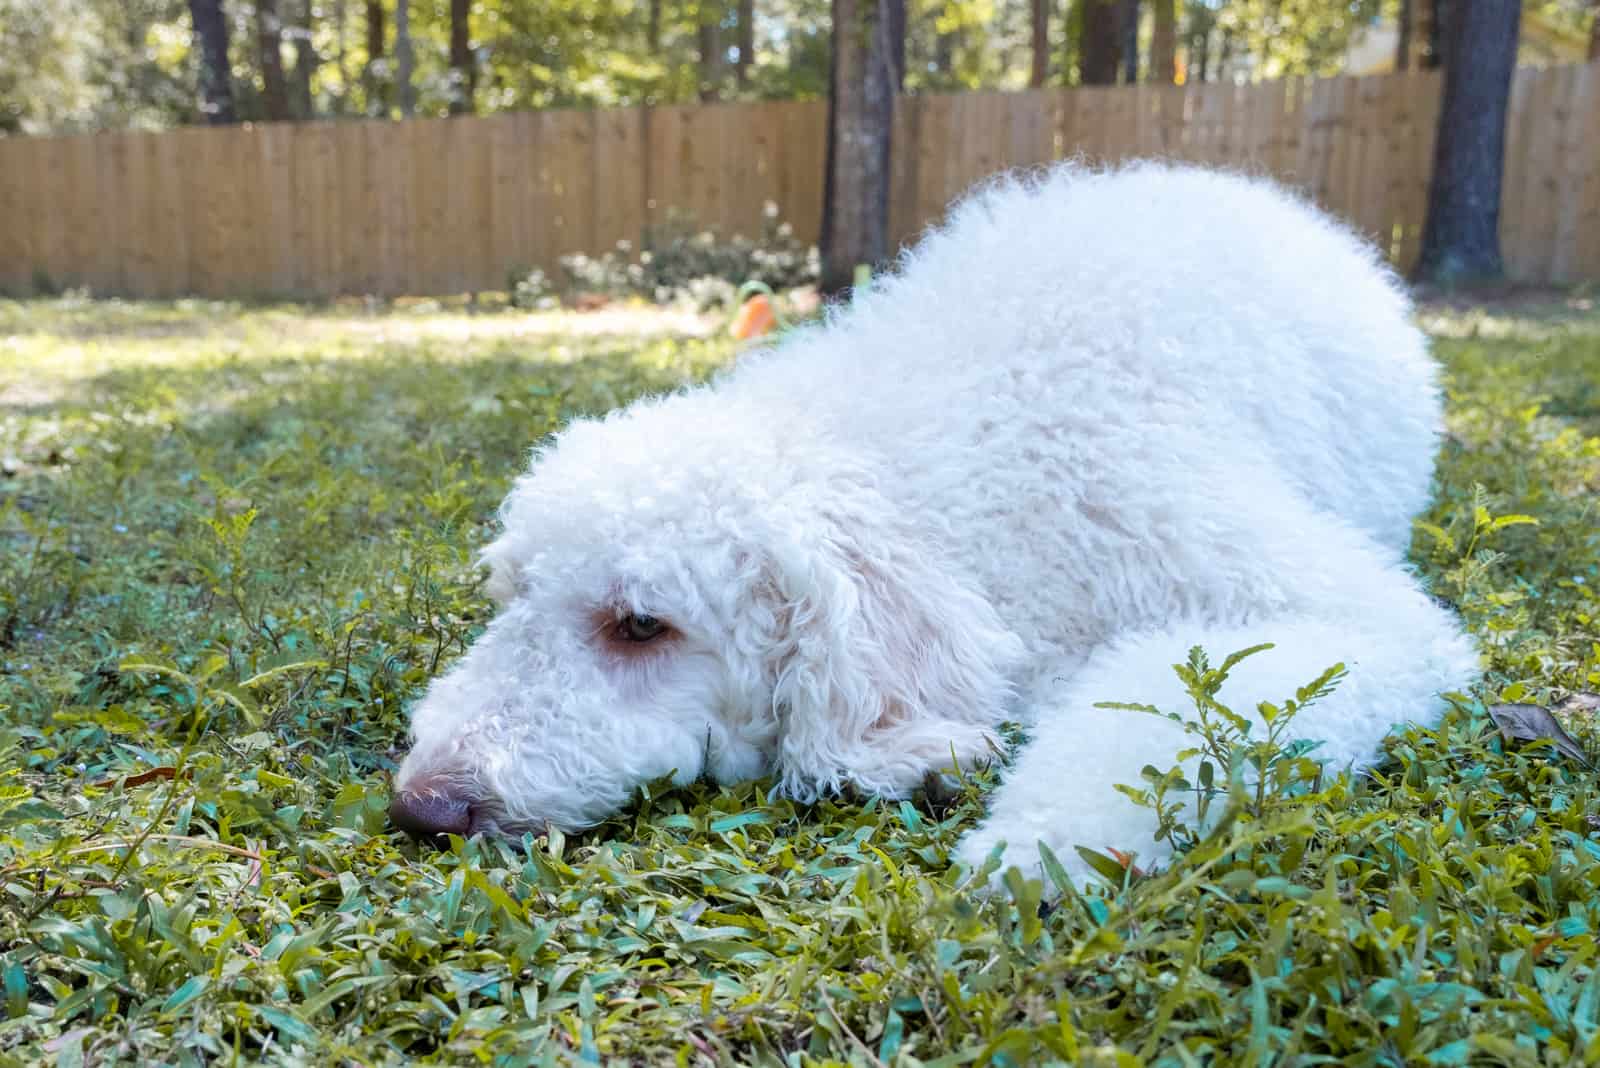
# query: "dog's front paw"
{"type": "Point", "coordinates": [1016, 847]}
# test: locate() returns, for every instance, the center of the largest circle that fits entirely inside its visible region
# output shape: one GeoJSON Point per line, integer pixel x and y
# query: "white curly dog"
{"type": "Point", "coordinates": [1098, 418]}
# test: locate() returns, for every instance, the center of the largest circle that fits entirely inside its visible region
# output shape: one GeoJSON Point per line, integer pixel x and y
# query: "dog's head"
{"type": "Point", "coordinates": [685, 589]}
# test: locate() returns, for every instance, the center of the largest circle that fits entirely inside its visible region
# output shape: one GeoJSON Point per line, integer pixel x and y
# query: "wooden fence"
{"type": "Point", "coordinates": [451, 205]}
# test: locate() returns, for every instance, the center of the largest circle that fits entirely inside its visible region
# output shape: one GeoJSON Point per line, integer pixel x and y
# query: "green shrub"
{"type": "Point", "coordinates": [679, 263]}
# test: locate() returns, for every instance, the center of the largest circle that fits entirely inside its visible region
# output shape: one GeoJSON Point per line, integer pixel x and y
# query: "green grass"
{"type": "Point", "coordinates": [272, 510]}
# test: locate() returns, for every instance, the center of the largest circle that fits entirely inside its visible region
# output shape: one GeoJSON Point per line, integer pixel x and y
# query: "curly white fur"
{"type": "Point", "coordinates": [1096, 419]}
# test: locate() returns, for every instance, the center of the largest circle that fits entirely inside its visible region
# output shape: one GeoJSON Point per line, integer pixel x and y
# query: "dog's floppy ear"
{"type": "Point", "coordinates": [885, 663]}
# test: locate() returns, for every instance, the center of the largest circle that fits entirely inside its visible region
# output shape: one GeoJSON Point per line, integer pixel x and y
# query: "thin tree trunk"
{"type": "Point", "coordinates": [944, 53]}
{"type": "Point", "coordinates": [372, 77]}
{"type": "Point", "coordinates": [1461, 240]}
{"type": "Point", "coordinates": [305, 62]}
{"type": "Point", "coordinates": [269, 41]}
{"type": "Point", "coordinates": [1041, 44]}
{"type": "Point", "coordinates": [747, 42]}
{"type": "Point", "coordinates": [868, 67]}
{"type": "Point", "coordinates": [463, 72]}
{"type": "Point", "coordinates": [706, 40]}
{"type": "Point", "coordinates": [1163, 41]}
{"type": "Point", "coordinates": [404, 58]}
{"type": "Point", "coordinates": [341, 103]}
{"type": "Point", "coordinates": [1438, 16]}
{"type": "Point", "coordinates": [216, 77]}
{"type": "Point", "coordinates": [1098, 51]}
{"type": "Point", "coordinates": [1128, 44]}
{"type": "Point", "coordinates": [653, 33]}
{"type": "Point", "coordinates": [1402, 48]}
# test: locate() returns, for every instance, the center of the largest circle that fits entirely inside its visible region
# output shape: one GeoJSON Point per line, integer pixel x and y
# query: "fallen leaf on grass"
{"type": "Point", "coordinates": [1127, 861]}
{"type": "Point", "coordinates": [165, 771]}
{"type": "Point", "coordinates": [1531, 723]}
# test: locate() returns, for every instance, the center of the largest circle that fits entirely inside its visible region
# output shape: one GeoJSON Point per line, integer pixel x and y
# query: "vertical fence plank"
{"type": "Point", "coordinates": [801, 149]}
{"type": "Point", "coordinates": [13, 245]}
{"type": "Point", "coordinates": [903, 171]}
{"type": "Point", "coordinates": [1548, 162]}
{"type": "Point", "coordinates": [539, 207]}
{"type": "Point", "coordinates": [1572, 162]}
{"type": "Point", "coordinates": [933, 157]}
{"type": "Point", "coordinates": [50, 253]}
{"type": "Point", "coordinates": [1032, 128]}
{"type": "Point", "coordinates": [138, 183]}
{"type": "Point", "coordinates": [619, 178]}
{"type": "Point", "coordinates": [668, 184]}
{"type": "Point", "coordinates": [430, 267]}
{"type": "Point", "coordinates": [168, 218]}
{"type": "Point", "coordinates": [509, 251]}
{"type": "Point", "coordinates": [1425, 89]}
{"type": "Point", "coordinates": [1514, 194]}
{"type": "Point", "coordinates": [1584, 233]}
{"type": "Point", "coordinates": [357, 217]}
{"type": "Point", "coordinates": [467, 213]}
{"type": "Point", "coordinates": [238, 170]}
{"type": "Point", "coordinates": [25, 218]}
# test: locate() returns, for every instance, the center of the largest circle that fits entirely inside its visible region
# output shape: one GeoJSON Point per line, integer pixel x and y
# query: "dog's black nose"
{"type": "Point", "coordinates": [428, 812]}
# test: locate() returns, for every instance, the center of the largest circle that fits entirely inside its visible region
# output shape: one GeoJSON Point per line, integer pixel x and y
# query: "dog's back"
{"type": "Point", "coordinates": [1141, 302]}
{"type": "Point", "coordinates": [1083, 372]}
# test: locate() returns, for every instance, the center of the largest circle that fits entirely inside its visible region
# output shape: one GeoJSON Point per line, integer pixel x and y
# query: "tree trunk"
{"type": "Point", "coordinates": [1098, 51]}
{"type": "Point", "coordinates": [463, 71]}
{"type": "Point", "coordinates": [1128, 44]}
{"type": "Point", "coordinates": [653, 32]}
{"type": "Point", "coordinates": [1041, 44]}
{"type": "Point", "coordinates": [944, 53]}
{"type": "Point", "coordinates": [305, 62]}
{"type": "Point", "coordinates": [372, 76]}
{"type": "Point", "coordinates": [216, 77]}
{"type": "Point", "coordinates": [706, 39]}
{"type": "Point", "coordinates": [269, 42]}
{"type": "Point", "coordinates": [404, 58]}
{"type": "Point", "coordinates": [747, 42]}
{"type": "Point", "coordinates": [1402, 48]}
{"type": "Point", "coordinates": [340, 102]}
{"type": "Point", "coordinates": [1164, 41]}
{"type": "Point", "coordinates": [867, 70]}
{"type": "Point", "coordinates": [1438, 16]}
{"type": "Point", "coordinates": [1461, 241]}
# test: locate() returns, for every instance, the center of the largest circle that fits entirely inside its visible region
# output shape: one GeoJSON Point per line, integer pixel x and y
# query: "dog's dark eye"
{"type": "Point", "coordinates": [640, 628]}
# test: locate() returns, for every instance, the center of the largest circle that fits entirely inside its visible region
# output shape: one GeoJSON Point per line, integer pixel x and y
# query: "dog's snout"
{"type": "Point", "coordinates": [427, 811]}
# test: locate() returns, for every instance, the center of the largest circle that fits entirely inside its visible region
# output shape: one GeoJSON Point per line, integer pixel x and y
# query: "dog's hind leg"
{"type": "Point", "coordinates": [1400, 657]}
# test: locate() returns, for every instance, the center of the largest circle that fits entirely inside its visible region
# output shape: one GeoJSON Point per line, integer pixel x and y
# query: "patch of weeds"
{"type": "Point", "coordinates": [679, 263]}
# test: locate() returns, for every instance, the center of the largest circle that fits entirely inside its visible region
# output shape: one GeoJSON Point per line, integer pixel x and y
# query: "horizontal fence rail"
{"type": "Point", "coordinates": [454, 205]}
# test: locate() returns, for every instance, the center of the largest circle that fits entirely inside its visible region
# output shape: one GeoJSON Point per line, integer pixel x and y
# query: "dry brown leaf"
{"type": "Point", "coordinates": [165, 771]}
{"type": "Point", "coordinates": [1532, 723]}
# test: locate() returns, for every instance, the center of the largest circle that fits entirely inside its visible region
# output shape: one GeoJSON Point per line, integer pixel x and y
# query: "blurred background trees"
{"type": "Point", "coordinates": [92, 64]}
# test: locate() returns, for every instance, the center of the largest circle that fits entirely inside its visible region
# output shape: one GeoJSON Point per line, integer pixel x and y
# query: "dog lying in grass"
{"type": "Point", "coordinates": [1096, 419]}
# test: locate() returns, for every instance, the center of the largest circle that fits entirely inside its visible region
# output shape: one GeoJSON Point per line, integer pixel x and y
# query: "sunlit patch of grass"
{"type": "Point", "coordinates": [235, 542]}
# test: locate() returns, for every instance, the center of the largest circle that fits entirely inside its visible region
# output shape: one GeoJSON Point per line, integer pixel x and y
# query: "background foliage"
{"type": "Point", "coordinates": [75, 64]}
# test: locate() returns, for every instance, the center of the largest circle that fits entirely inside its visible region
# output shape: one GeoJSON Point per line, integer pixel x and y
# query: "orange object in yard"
{"type": "Point", "coordinates": [756, 318]}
